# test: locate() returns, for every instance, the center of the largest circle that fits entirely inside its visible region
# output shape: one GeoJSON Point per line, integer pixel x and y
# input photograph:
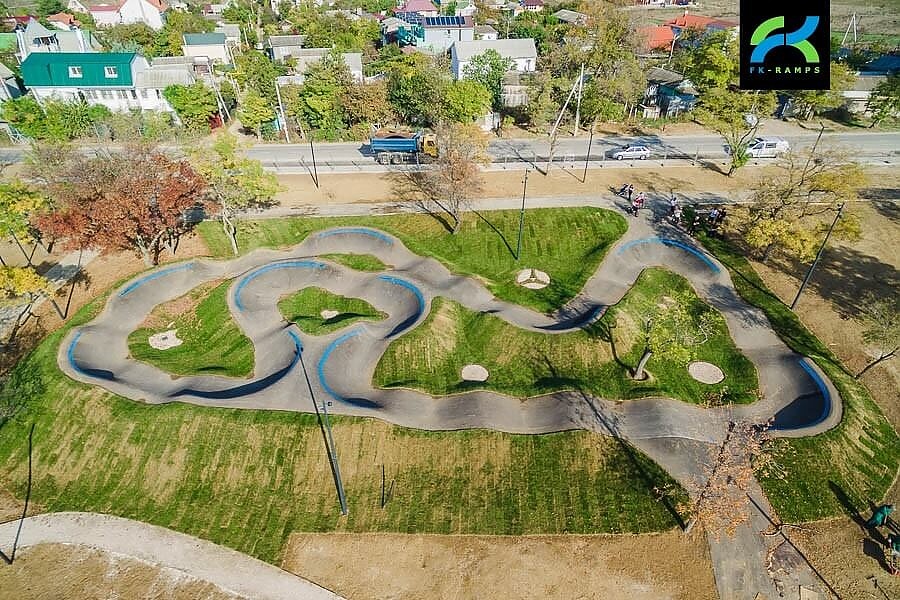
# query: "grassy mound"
{"type": "Point", "coordinates": [305, 309]}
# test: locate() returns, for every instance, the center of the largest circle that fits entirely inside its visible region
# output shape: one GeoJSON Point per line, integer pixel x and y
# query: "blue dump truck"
{"type": "Point", "coordinates": [396, 147]}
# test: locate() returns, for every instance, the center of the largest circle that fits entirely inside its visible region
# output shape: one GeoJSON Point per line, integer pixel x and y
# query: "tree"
{"type": "Point", "coordinates": [18, 283]}
{"type": "Point", "coordinates": [416, 90]}
{"type": "Point", "coordinates": [317, 103]}
{"type": "Point", "coordinates": [194, 104]}
{"type": "Point", "coordinates": [811, 102]}
{"type": "Point", "coordinates": [723, 502]}
{"type": "Point", "coordinates": [367, 103]}
{"type": "Point", "coordinates": [178, 22]}
{"type": "Point", "coordinates": [56, 120]}
{"type": "Point", "coordinates": [790, 209]}
{"type": "Point", "coordinates": [674, 330]}
{"type": "Point", "coordinates": [710, 61]}
{"type": "Point", "coordinates": [880, 318]}
{"type": "Point", "coordinates": [455, 177]}
{"type": "Point", "coordinates": [133, 199]}
{"type": "Point", "coordinates": [734, 115]}
{"type": "Point", "coordinates": [45, 8]}
{"type": "Point", "coordinates": [488, 69]}
{"type": "Point", "coordinates": [133, 35]}
{"type": "Point", "coordinates": [466, 100]}
{"type": "Point", "coordinates": [235, 181]}
{"type": "Point", "coordinates": [884, 102]}
{"type": "Point", "coordinates": [254, 111]}
{"type": "Point", "coordinates": [18, 203]}
{"type": "Point", "coordinates": [254, 71]}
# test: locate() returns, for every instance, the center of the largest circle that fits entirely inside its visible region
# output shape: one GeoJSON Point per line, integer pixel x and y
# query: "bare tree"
{"type": "Point", "coordinates": [455, 177]}
{"type": "Point", "coordinates": [881, 319]}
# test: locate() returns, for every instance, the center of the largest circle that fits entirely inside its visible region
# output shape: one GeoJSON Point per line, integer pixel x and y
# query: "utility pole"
{"type": "Point", "coordinates": [312, 151]}
{"type": "Point", "coordinates": [812, 267]}
{"type": "Point", "coordinates": [287, 137]}
{"type": "Point", "coordinates": [815, 145]}
{"type": "Point", "coordinates": [578, 103]}
{"type": "Point", "coordinates": [587, 156]}
{"type": "Point", "coordinates": [522, 217]}
{"type": "Point", "coordinates": [329, 439]}
{"type": "Point", "coordinates": [555, 130]}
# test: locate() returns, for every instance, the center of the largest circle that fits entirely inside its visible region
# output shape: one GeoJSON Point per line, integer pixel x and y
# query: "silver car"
{"type": "Point", "coordinates": [641, 152]}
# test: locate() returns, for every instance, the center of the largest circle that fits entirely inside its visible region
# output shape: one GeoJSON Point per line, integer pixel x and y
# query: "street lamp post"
{"type": "Point", "coordinates": [522, 216]}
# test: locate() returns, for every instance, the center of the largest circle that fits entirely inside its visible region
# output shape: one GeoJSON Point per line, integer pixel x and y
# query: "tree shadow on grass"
{"type": "Point", "coordinates": [497, 231]}
{"type": "Point", "coordinates": [406, 185]}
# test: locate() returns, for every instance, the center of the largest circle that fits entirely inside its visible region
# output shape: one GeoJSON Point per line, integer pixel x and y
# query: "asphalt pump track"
{"type": "Point", "coordinates": [795, 394]}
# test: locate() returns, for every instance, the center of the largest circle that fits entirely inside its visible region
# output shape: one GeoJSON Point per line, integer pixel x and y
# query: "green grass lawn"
{"type": "Point", "coordinates": [304, 308]}
{"type": "Point", "coordinates": [212, 343]}
{"type": "Point", "coordinates": [247, 479]}
{"type": "Point", "coordinates": [524, 363]}
{"type": "Point", "coordinates": [859, 458]}
{"type": "Point", "coordinates": [360, 262]}
{"type": "Point", "coordinates": [567, 243]}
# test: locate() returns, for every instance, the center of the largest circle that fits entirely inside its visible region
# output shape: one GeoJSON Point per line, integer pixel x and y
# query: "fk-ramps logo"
{"type": "Point", "coordinates": [785, 46]}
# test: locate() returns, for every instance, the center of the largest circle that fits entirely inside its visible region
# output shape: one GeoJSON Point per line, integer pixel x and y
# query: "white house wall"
{"type": "Point", "coordinates": [139, 11]}
{"type": "Point", "coordinates": [116, 100]}
{"type": "Point", "coordinates": [440, 40]}
{"type": "Point", "coordinates": [520, 65]}
{"type": "Point", "coordinates": [215, 52]}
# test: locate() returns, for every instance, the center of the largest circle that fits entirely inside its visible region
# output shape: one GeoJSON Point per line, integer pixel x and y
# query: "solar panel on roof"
{"type": "Point", "coordinates": [445, 21]}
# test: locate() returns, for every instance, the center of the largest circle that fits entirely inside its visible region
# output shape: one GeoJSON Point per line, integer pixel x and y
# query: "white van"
{"type": "Point", "coordinates": [768, 147]}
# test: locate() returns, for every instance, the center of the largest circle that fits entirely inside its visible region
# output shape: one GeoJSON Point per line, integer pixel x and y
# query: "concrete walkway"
{"type": "Point", "coordinates": [340, 366]}
{"type": "Point", "coordinates": [230, 570]}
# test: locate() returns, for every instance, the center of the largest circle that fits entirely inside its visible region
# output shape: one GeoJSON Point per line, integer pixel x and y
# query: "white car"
{"type": "Point", "coordinates": [768, 147]}
{"type": "Point", "coordinates": [641, 152]}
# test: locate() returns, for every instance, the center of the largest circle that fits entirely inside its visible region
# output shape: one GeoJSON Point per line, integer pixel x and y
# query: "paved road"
{"type": "Point", "coordinates": [867, 147]}
{"type": "Point", "coordinates": [228, 569]}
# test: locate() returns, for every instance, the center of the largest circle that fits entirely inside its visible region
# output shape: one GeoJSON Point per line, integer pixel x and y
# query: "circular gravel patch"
{"type": "Point", "coordinates": [329, 314]}
{"type": "Point", "coordinates": [474, 373]}
{"type": "Point", "coordinates": [705, 372]}
{"type": "Point", "coordinates": [164, 340]}
{"type": "Point", "coordinates": [532, 279]}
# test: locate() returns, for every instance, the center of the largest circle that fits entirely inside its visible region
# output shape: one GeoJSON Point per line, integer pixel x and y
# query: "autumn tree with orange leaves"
{"type": "Point", "coordinates": [133, 199]}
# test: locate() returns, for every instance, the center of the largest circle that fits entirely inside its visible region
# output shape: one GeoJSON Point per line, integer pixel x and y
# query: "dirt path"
{"type": "Point", "coordinates": [401, 567]}
{"type": "Point", "coordinates": [228, 570]}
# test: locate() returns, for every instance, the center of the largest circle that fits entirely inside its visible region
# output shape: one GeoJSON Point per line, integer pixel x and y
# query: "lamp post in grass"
{"type": "Point", "coordinates": [522, 216]}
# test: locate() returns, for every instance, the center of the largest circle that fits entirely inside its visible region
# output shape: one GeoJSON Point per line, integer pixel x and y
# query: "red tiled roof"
{"type": "Point", "coordinates": [699, 22]}
{"type": "Point", "coordinates": [104, 7]}
{"type": "Point", "coordinates": [415, 6]}
{"type": "Point", "coordinates": [533, 2]}
{"type": "Point", "coordinates": [654, 37]}
{"type": "Point", "coordinates": [62, 17]}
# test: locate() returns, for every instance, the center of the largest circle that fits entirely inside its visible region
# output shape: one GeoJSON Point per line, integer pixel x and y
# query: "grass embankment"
{"type": "Point", "coordinates": [858, 459]}
{"type": "Point", "coordinates": [523, 363]}
{"type": "Point", "coordinates": [304, 308]}
{"type": "Point", "coordinates": [360, 262]}
{"type": "Point", "coordinates": [247, 479]}
{"type": "Point", "coordinates": [567, 243]}
{"type": "Point", "coordinates": [212, 344]}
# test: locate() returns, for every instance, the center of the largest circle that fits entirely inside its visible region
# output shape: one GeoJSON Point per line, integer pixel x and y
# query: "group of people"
{"type": "Point", "coordinates": [712, 219]}
{"type": "Point", "coordinates": [637, 202]}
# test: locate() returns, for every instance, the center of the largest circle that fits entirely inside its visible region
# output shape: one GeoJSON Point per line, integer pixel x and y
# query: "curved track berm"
{"type": "Point", "coordinates": [795, 393]}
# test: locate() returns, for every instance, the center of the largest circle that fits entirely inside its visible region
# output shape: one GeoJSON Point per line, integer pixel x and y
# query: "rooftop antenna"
{"type": "Point", "coordinates": [852, 25]}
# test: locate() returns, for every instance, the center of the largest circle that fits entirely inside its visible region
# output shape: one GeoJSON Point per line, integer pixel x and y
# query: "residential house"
{"type": "Point", "coordinates": [199, 66]}
{"type": "Point", "coordinates": [10, 88]}
{"type": "Point", "coordinates": [668, 94]}
{"type": "Point", "coordinates": [213, 11]}
{"type": "Point", "coordinates": [305, 57]}
{"type": "Point", "coordinates": [231, 31]}
{"type": "Point", "coordinates": [413, 11]}
{"type": "Point", "coordinates": [120, 81]}
{"type": "Point", "coordinates": [395, 30]}
{"type": "Point", "coordinates": [521, 52]}
{"type": "Point", "coordinates": [533, 5]}
{"type": "Point", "coordinates": [108, 13]}
{"type": "Point", "coordinates": [570, 17]}
{"type": "Point", "coordinates": [209, 45]}
{"type": "Point", "coordinates": [514, 91]}
{"type": "Point", "coordinates": [64, 21]}
{"type": "Point", "coordinates": [698, 23]}
{"type": "Point", "coordinates": [485, 32]}
{"type": "Point", "coordinates": [280, 47]}
{"type": "Point", "coordinates": [37, 38]}
{"type": "Point", "coordinates": [439, 33]}
{"type": "Point", "coordinates": [655, 38]}
{"type": "Point", "coordinates": [466, 8]}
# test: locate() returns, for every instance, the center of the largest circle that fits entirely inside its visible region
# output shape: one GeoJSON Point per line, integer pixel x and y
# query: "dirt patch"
{"type": "Point", "coordinates": [379, 187]}
{"type": "Point", "coordinates": [163, 315]}
{"type": "Point", "coordinates": [369, 566]}
{"type": "Point", "coordinates": [848, 558]}
{"type": "Point", "coordinates": [90, 574]}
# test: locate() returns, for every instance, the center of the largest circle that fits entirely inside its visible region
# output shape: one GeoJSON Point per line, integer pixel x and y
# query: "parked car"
{"type": "Point", "coordinates": [768, 147]}
{"type": "Point", "coordinates": [641, 152]}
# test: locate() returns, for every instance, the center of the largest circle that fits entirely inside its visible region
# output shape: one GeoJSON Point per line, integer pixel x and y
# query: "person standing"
{"type": "Point", "coordinates": [630, 191]}
{"type": "Point", "coordinates": [880, 515]}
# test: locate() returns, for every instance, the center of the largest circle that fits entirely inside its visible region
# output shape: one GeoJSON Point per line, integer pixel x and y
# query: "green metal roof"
{"type": "Point", "coordinates": [203, 39]}
{"type": "Point", "coordinates": [52, 69]}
